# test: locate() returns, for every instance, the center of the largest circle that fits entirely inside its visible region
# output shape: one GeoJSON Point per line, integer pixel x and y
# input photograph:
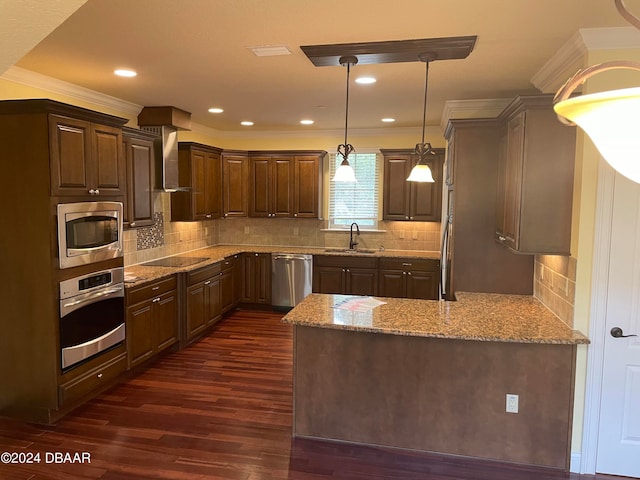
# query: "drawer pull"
{"type": "Point", "coordinates": [155, 288]}
{"type": "Point", "coordinates": [407, 264]}
{"type": "Point", "coordinates": [99, 375]}
{"type": "Point", "coordinates": [207, 282]}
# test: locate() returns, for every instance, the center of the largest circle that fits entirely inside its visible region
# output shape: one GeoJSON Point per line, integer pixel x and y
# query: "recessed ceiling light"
{"type": "Point", "coordinates": [246, 124]}
{"type": "Point", "coordinates": [365, 80]}
{"type": "Point", "coordinates": [216, 110]}
{"type": "Point", "coordinates": [306, 122]}
{"type": "Point", "coordinates": [270, 50]}
{"type": "Point", "coordinates": [122, 72]}
{"type": "Point", "coordinates": [388, 120]}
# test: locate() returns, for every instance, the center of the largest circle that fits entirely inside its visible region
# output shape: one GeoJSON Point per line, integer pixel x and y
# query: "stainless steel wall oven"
{"type": "Point", "coordinates": [92, 315]}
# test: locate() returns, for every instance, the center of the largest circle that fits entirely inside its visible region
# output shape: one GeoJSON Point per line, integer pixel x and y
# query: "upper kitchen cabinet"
{"type": "Point", "coordinates": [285, 184]}
{"type": "Point", "coordinates": [86, 157]}
{"type": "Point", "coordinates": [535, 178]}
{"type": "Point", "coordinates": [200, 171]}
{"type": "Point", "coordinates": [139, 158]}
{"type": "Point", "coordinates": [403, 200]}
{"type": "Point", "coordinates": [235, 181]}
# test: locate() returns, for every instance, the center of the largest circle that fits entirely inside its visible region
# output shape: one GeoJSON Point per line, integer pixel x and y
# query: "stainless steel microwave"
{"type": "Point", "coordinates": [89, 232]}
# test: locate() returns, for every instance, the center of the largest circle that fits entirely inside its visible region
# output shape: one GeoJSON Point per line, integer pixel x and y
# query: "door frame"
{"type": "Point", "coordinates": [597, 317]}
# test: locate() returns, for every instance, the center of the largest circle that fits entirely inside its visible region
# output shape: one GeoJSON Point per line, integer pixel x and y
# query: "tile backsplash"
{"type": "Point", "coordinates": [554, 284]}
{"type": "Point", "coordinates": [166, 238]}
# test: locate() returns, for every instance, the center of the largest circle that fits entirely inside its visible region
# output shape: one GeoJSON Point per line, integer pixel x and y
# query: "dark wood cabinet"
{"type": "Point", "coordinates": [86, 158]}
{"type": "Point", "coordinates": [412, 201]}
{"type": "Point", "coordinates": [235, 179]}
{"type": "Point", "coordinates": [284, 184]}
{"type": "Point", "coordinates": [345, 275]}
{"type": "Point", "coordinates": [140, 168]}
{"type": "Point", "coordinates": [229, 283]}
{"type": "Point", "coordinates": [203, 302]}
{"type": "Point", "coordinates": [409, 278]}
{"type": "Point", "coordinates": [256, 278]}
{"type": "Point", "coordinates": [535, 184]}
{"type": "Point", "coordinates": [200, 171]}
{"type": "Point", "coordinates": [152, 319]}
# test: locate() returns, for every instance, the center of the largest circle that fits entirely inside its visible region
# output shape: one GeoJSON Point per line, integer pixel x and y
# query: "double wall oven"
{"type": "Point", "coordinates": [92, 311]}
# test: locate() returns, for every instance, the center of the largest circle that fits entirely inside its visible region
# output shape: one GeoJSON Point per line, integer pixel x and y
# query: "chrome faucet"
{"type": "Point", "coordinates": [352, 243]}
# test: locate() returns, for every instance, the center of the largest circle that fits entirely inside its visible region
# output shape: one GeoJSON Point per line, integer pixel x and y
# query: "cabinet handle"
{"type": "Point", "coordinates": [207, 282]}
{"type": "Point", "coordinates": [226, 263]}
{"type": "Point", "coordinates": [208, 215]}
{"type": "Point", "coordinates": [295, 214]}
{"type": "Point", "coordinates": [92, 191]}
{"type": "Point", "coordinates": [132, 224]}
{"type": "Point", "coordinates": [501, 238]}
{"type": "Point", "coordinates": [155, 288]}
{"type": "Point", "coordinates": [406, 217]}
{"type": "Point", "coordinates": [99, 375]}
{"type": "Point", "coordinates": [410, 218]}
{"type": "Point", "coordinates": [157, 299]}
{"type": "Point", "coordinates": [220, 274]}
{"type": "Point", "coordinates": [409, 273]}
{"type": "Point", "coordinates": [407, 264]}
{"type": "Point", "coordinates": [256, 254]}
{"type": "Point", "coordinates": [404, 273]}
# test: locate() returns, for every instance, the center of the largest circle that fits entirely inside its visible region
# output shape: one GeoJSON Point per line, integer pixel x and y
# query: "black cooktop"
{"type": "Point", "coordinates": [175, 261]}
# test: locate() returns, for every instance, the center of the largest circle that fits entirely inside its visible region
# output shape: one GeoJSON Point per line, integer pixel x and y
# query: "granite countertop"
{"type": "Point", "coordinates": [140, 273]}
{"type": "Point", "coordinates": [475, 316]}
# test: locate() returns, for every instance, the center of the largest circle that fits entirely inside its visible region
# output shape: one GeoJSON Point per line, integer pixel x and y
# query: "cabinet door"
{"type": "Point", "coordinates": [227, 294]}
{"type": "Point", "coordinates": [140, 177]}
{"type": "Point", "coordinates": [328, 280]}
{"type": "Point", "coordinates": [392, 283]}
{"type": "Point", "coordinates": [396, 194]}
{"type": "Point", "coordinates": [262, 272]}
{"type": "Point", "coordinates": [422, 285]}
{"type": "Point", "coordinates": [235, 189]}
{"type": "Point", "coordinates": [140, 343]}
{"type": "Point", "coordinates": [198, 184]}
{"type": "Point", "coordinates": [260, 181]}
{"type": "Point", "coordinates": [165, 327]}
{"type": "Point", "coordinates": [282, 172]}
{"type": "Point", "coordinates": [70, 149]}
{"type": "Point", "coordinates": [362, 281]}
{"type": "Point", "coordinates": [212, 297]}
{"type": "Point", "coordinates": [501, 187]}
{"type": "Point", "coordinates": [212, 185]}
{"type": "Point", "coordinates": [426, 198]}
{"type": "Point", "coordinates": [306, 186]}
{"type": "Point", "coordinates": [196, 309]}
{"type": "Point", "coordinates": [107, 161]}
{"type": "Point", "coordinates": [513, 179]}
{"type": "Point", "coordinates": [238, 279]}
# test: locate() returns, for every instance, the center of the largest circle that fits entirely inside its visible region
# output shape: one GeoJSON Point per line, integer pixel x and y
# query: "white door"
{"type": "Point", "coordinates": [619, 427]}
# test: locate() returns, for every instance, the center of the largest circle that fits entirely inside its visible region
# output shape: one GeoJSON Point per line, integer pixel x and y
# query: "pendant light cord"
{"type": "Point", "coordinates": [346, 115]}
{"type": "Point", "coordinates": [424, 112]}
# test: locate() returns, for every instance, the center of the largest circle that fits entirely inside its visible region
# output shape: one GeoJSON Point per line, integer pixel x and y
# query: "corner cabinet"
{"type": "Point", "coordinates": [535, 178]}
{"type": "Point", "coordinates": [200, 171]}
{"type": "Point", "coordinates": [403, 200]}
{"type": "Point", "coordinates": [139, 158]}
{"type": "Point", "coordinates": [86, 158]}
{"type": "Point", "coordinates": [285, 184]}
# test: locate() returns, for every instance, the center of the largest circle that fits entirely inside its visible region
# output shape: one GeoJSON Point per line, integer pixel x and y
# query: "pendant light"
{"type": "Point", "coordinates": [344, 172]}
{"type": "Point", "coordinates": [609, 118]}
{"type": "Point", "coordinates": [421, 171]}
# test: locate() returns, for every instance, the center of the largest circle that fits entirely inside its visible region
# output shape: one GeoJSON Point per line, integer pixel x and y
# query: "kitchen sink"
{"type": "Point", "coordinates": [358, 251]}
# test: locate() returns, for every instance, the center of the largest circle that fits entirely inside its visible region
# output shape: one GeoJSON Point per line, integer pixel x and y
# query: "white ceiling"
{"type": "Point", "coordinates": [192, 54]}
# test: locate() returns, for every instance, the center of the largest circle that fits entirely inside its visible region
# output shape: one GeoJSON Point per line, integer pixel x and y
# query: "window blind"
{"type": "Point", "coordinates": [355, 202]}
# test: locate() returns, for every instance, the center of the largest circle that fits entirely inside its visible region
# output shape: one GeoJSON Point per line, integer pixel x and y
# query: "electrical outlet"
{"type": "Point", "coordinates": [246, 230]}
{"type": "Point", "coordinates": [414, 235]}
{"type": "Point", "coordinates": [512, 403]}
{"type": "Point", "coordinates": [401, 234]}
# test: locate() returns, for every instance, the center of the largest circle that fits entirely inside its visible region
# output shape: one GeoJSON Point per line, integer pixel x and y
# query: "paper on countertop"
{"type": "Point", "coordinates": [360, 304]}
{"type": "Point", "coordinates": [128, 278]}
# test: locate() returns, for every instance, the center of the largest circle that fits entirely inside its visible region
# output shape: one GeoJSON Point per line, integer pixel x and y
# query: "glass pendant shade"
{"type": "Point", "coordinates": [611, 120]}
{"type": "Point", "coordinates": [344, 173]}
{"type": "Point", "coordinates": [421, 173]}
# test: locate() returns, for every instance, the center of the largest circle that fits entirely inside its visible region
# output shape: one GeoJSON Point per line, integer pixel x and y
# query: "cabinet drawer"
{"type": "Point", "coordinates": [423, 264]}
{"type": "Point", "coordinates": [229, 262]}
{"type": "Point", "coordinates": [93, 381]}
{"type": "Point", "coordinates": [144, 292]}
{"type": "Point", "coordinates": [345, 261]}
{"type": "Point", "coordinates": [203, 274]}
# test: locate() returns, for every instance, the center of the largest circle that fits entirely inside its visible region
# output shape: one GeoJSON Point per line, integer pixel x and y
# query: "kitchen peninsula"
{"type": "Point", "coordinates": [433, 376]}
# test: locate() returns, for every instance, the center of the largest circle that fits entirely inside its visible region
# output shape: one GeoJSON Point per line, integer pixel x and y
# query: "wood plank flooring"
{"type": "Point", "coordinates": [221, 410]}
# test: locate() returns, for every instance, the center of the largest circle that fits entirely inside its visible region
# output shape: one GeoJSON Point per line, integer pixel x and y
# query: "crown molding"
{"type": "Point", "coordinates": [44, 82]}
{"type": "Point", "coordinates": [572, 56]}
{"type": "Point", "coordinates": [479, 108]}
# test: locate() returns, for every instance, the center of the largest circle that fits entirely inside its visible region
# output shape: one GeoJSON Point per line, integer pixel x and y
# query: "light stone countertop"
{"type": "Point", "coordinates": [143, 273]}
{"type": "Point", "coordinates": [475, 316]}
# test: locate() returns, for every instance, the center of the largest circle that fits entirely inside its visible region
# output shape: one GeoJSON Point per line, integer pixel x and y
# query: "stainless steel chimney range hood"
{"type": "Point", "coordinates": [165, 123]}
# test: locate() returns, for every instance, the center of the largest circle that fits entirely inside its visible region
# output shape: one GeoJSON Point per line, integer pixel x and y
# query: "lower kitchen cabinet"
{"type": "Point", "coordinates": [230, 283]}
{"type": "Point", "coordinates": [256, 278]}
{"type": "Point", "coordinates": [152, 319]}
{"type": "Point", "coordinates": [409, 278]}
{"type": "Point", "coordinates": [345, 275]}
{"type": "Point", "coordinates": [202, 300]}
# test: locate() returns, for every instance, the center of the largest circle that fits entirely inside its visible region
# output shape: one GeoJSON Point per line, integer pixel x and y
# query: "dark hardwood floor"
{"type": "Point", "coordinates": [221, 409]}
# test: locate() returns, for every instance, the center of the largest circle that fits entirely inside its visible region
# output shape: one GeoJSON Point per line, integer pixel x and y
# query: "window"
{"type": "Point", "coordinates": [355, 202]}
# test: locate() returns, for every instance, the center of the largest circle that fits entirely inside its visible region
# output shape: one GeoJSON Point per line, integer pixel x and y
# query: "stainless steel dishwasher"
{"type": "Point", "coordinates": [290, 279]}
